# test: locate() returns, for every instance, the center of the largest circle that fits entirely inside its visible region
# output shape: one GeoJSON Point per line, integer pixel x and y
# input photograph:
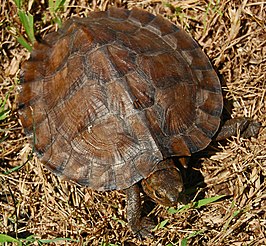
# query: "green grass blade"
{"type": "Point", "coordinates": [27, 21]}
{"type": "Point", "coordinates": [57, 240]}
{"type": "Point", "coordinates": [24, 43]}
{"type": "Point", "coordinates": [18, 3]}
{"type": "Point", "coordinates": [51, 4]}
{"type": "Point", "coordinates": [197, 204]}
{"type": "Point", "coordinates": [58, 21]}
{"type": "Point", "coordinates": [161, 225]}
{"type": "Point", "coordinates": [14, 169]}
{"type": "Point", "coordinates": [184, 242]}
{"type": "Point", "coordinates": [7, 239]}
{"type": "Point", "coordinates": [235, 214]}
{"type": "Point", "coordinates": [207, 201]}
{"type": "Point", "coordinates": [122, 222]}
{"type": "Point", "coordinates": [55, 5]}
{"type": "Point", "coordinates": [4, 113]}
{"type": "Point", "coordinates": [191, 235]}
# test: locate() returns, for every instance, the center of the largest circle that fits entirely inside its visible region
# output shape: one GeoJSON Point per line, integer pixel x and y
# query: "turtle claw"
{"type": "Point", "coordinates": [144, 229]}
{"type": "Point", "coordinates": [252, 129]}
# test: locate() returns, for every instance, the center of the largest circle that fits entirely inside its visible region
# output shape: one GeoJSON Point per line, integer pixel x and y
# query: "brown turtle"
{"type": "Point", "coordinates": [109, 99]}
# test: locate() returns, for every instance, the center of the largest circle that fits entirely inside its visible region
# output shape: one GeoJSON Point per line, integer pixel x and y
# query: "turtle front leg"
{"type": "Point", "coordinates": [246, 126]}
{"type": "Point", "coordinates": [139, 225]}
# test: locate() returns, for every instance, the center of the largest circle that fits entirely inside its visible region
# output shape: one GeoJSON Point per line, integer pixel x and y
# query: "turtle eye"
{"type": "Point", "coordinates": [158, 194]}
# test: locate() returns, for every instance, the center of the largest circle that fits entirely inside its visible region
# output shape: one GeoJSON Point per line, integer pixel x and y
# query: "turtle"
{"type": "Point", "coordinates": [108, 100]}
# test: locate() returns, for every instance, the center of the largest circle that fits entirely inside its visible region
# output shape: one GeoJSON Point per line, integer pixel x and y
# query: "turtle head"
{"type": "Point", "coordinates": [165, 184]}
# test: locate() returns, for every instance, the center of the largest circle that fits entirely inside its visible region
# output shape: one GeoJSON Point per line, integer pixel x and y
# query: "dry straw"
{"type": "Point", "coordinates": [33, 202]}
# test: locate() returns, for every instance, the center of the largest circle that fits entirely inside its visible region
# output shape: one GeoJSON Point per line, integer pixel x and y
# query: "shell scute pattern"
{"type": "Point", "coordinates": [112, 95]}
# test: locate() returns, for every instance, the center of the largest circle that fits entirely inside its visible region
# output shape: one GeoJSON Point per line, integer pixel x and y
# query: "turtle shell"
{"type": "Point", "coordinates": [107, 97]}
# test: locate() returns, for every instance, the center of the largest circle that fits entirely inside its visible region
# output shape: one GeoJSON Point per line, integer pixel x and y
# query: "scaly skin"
{"type": "Point", "coordinates": [141, 226]}
{"type": "Point", "coordinates": [246, 126]}
{"type": "Point", "coordinates": [165, 185]}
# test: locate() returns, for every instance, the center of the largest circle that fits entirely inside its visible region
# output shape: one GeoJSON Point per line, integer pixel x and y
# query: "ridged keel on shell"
{"type": "Point", "coordinates": [111, 95]}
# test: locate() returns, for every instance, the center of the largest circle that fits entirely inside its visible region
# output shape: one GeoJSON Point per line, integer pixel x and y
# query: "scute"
{"type": "Point", "coordinates": [107, 97]}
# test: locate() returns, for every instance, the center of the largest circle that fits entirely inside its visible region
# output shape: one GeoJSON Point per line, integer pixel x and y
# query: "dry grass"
{"type": "Point", "coordinates": [34, 202]}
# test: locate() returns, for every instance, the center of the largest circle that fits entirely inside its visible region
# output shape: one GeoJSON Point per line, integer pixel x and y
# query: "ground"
{"type": "Point", "coordinates": [36, 205]}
